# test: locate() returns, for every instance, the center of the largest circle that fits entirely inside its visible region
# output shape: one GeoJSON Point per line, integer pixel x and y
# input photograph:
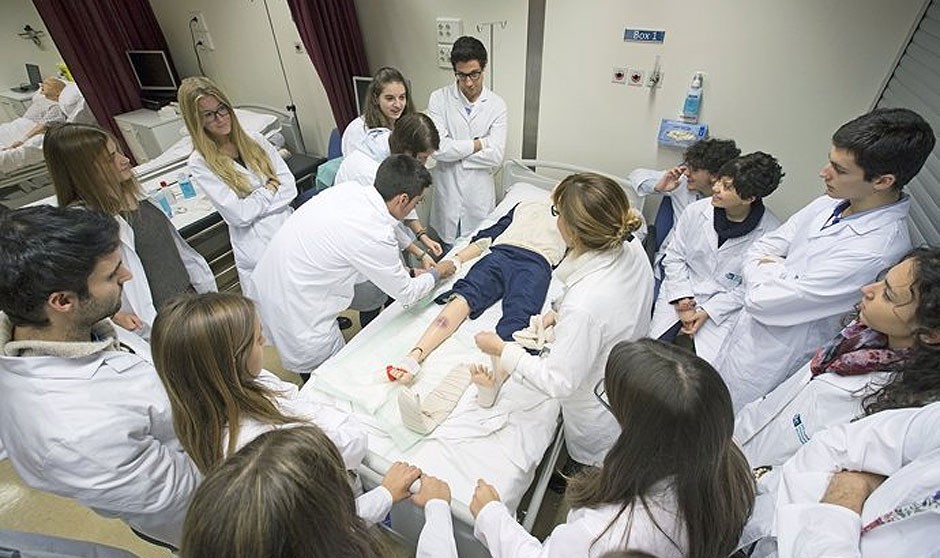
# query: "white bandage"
{"type": "Point", "coordinates": [486, 394]}
{"type": "Point", "coordinates": [424, 416]}
{"type": "Point", "coordinates": [536, 336]}
{"type": "Point", "coordinates": [483, 243]}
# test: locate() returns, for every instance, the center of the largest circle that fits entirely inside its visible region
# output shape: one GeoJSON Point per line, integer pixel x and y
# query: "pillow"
{"type": "Point", "coordinates": [71, 101]}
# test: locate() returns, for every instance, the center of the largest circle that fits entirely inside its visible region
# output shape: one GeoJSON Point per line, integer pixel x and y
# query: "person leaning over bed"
{"type": "Point", "coordinates": [608, 293]}
{"type": "Point", "coordinates": [241, 173]}
{"type": "Point", "coordinates": [673, 485]}
{"type": "Point", "coordinates": [87, 168]}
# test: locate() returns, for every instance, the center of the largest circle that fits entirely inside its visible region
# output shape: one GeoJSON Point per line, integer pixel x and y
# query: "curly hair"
{"type": "Point", "coordinates": [917, 383]}
{"type": "Point", "coordinates": [755, 175]}
{"type": "Point", "coordinates": [709, 154]}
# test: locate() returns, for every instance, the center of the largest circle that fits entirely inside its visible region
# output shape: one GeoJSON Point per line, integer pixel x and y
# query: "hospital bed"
{"type": "Point", "coordinates": [509, 445]}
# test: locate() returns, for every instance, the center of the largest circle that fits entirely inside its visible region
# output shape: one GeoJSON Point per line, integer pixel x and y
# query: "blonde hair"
{"type": "Point", "coordinates": [201, 345]}
{"type": "Point", "coordinates": [284, 495]}
{"type": "Point", "coordinates": [596, 210]}
{"type": "Point", "coordinates": [191, 91]}
{"type": "Point", "coordinates": [82, 171]}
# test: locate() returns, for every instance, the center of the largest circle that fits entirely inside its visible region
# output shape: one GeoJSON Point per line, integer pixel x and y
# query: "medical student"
{"type": "Point", "coordinates": [208, 350]}
{"type": "Point", "coordinates": [388, 98]}
{"type": "Point", "coordinates": [87, 168]}
{"type": "Point", "coordinates": [865, 489]}
{"type": "Point", "coordinates": [414, 135]}
{"type": "Point", "coordinates": [472, 122]}
{"type": "Point", "coordinates": [803, 277]}
{"type": "Point", "coordinates": [889, 357]}
{"type": "Point", "coordinates": [286, 494]}
{"type": "Point", "coordinates": [673, 485]}
{"type": "Point", "coordinates": [82, 411]}
{"type": "Point", "coordinates": [242, 174]}
{"type": "Point", "coordinates": [608, 292]}
{"type": "Point", "coordinates": [343, 236]}
{"type": "Point", "coordinates": [701, 293]}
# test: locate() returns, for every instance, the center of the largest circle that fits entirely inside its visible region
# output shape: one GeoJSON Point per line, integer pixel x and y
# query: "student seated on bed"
{"type": "Point", "coordinates": [208, 350]}
{"type": "Point", "coordinates": [286, 495]}
{"type": "Point", "coordinates": [87, 168]}
{"type": "Point", "coordinates": [673, 485]}
{"type": "Point", "coordinates": [44, 110]}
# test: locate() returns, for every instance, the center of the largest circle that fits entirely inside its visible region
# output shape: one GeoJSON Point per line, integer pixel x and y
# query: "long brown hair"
{"type": "Point", "coordinates": [676, 419]}
{"type": "Point", "coordinates": [82, 171]}
{"type": "Point", "coordinates": [284, 495]}
{"type": "Point", "coordinates": [201, 344]}
{"type": "Point", "coordinates": [372, 114]}
{"type": "Point", "coordinates": [596, 210]}
{"type": "Point", "coordinates": [191, 90]}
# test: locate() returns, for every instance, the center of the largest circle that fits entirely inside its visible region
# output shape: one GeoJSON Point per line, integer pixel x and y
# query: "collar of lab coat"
{"type": "Point", "coordinates": [868, 221]}
{"type": "Point", "coordinates": [485, 96]}
{"type": "Point", "coordinates": [574, 268]}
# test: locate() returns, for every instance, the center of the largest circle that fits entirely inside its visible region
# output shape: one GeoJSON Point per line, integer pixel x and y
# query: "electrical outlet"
{"type": "Point", "coordinates": [443, 56]}
{"type": "Point", "coordinates": [299, 47]}
{"type": "Point", "coordinates": [618, 76]}
{"type": "Point", "coordinates": [449, 29]}
{"type": "Point", "coordinates": [199, 25]}
{"type": "Point", "coordinates": [635, 77]}
{"type": "Point", "coordinates": [204, 39]}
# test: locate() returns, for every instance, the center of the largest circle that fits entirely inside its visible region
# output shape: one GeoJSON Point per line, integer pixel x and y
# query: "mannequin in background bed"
{"type": "Point", "coordinates": [388, 98]}
{"type": "Point", "coordinates": [43, 111]}
{"type": "Point", "coordinates": [88, 168]}
{"type": "Point", "coordinates": [241, 173]}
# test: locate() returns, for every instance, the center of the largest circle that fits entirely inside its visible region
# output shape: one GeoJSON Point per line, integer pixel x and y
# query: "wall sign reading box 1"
{"type": "Point", "coordinates": [644, 36]}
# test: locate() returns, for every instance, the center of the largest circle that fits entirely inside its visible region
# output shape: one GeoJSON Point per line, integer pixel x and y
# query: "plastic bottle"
{"type": "Point", "coordinates": [186, 185]}
{"type": "Point", "coordinates": [693, 100]}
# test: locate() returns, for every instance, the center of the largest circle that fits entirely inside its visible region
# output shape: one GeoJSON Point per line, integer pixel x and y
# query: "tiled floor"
{"type": "Point", "coordinates": [25, 509]}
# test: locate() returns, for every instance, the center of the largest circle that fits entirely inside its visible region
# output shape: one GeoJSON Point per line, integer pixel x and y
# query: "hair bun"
{"type": "Point", "coordinates": [631, 222]}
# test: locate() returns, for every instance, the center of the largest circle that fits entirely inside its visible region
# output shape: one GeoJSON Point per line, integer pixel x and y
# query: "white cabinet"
{"type": "Point", "coordinates": [14, 103]}
{"type": "Point", "coordinates": [149, 133]}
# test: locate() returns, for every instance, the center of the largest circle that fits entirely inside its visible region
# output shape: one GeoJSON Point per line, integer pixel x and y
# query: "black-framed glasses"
{"type": "Point", "coordinates": [221, 111]}
{"type": "Point", "coordinates": [554, 211]}
{"type": "Point", "coordinates": [601, 394]}
{"type": "Point", "coordinates": [472, 76]}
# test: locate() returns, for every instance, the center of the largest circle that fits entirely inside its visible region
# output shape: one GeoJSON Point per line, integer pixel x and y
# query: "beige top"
{"type": "Point", "coordinates": [534, 228]}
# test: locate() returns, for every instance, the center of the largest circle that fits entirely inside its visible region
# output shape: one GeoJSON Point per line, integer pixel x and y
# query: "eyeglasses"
{"type": "Point", "coordinates": [220, 112]}
{"type": "Point", "coordinates": [472, 76]}
{"type": "Point", "coordinates": [601, 394]}
{"type": "Point", "coordinates": [554, 211]}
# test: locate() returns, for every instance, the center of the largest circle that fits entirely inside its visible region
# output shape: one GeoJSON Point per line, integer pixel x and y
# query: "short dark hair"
{"type": "Point", "coordinates": [47, 249]}
{"type": "Point", "coordinates": [414, 133]}
{"type": "Point", "coordinates": [466, 49]}
{"type": "Point", "coordinates": [884, 141]}
{"type": "Point", "coordinates": [755, 175]}
{"type": "Point", "coordinates": [401, 174]}
{"type": "Point", "coordinates": [709, 154]}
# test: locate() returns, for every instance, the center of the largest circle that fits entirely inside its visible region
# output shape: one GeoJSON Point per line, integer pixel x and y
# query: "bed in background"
{"type": "Point", "coordinates": [504, 444]}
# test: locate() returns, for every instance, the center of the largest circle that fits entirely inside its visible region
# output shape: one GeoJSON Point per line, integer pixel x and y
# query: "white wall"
{"type": "Point", "coordinates": [14, 15]}
{"type": "Point", "coordinates": [781, 76]}
{"type": "Point", "coordinates": [244, 63]}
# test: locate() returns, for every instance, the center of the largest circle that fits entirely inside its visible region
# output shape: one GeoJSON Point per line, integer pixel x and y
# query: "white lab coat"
{"type": "Point", "coordinates": [464, 191]}
{"type": "Point", "coordinates": [771, 429]}
{"type": "Point", "coordinates": [353, 134]}
{"type": "Point", "coordinates": [644, 182]}
{"type": "Point", "coordinates": [795, 304]}
{"type": "Point", "coordinates": [253, 219]}
{"type": "Point", "coordinates": [696, 267]}
{"type": "Point", "coordinates": [585, 532]}
{"type": "Point", "coordinates": [136, 296]}
{"type": "Point", "coordinates": [343, 236]}
{"type": "Point", "coordinates": [902, 444]}
{"type": "Point", "coordinates": [607, 299]}
{"type": "Point", "coordinates": [360, 166]}
{"type": "Point", "coordinates": [98, 429]}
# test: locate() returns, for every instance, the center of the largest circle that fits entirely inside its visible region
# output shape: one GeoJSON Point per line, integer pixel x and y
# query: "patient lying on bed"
{"type": "Point", "coordinates": [42, 111]}
{"type": "Point", "coordinates": [525, 245]}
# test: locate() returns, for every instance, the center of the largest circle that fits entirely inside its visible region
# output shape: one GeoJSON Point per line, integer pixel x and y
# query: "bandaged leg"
{"type": "Point", "coordinates": [488, 382]}
{"type": "Point", "coordinates": [443, 326]}
{"type": "Point", "coordinates": [536, 336]}
{"type": "Point", "coordinates": [424, 416]}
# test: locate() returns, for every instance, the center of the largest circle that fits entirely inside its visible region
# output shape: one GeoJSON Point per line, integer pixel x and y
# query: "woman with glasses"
{"type": "Point", "coordinates": [87, 168]}
{"type": "Point", "coordinates": [608, 292]}
{"type": "Point", "coordinates": [241, 173]}
{"type": "Point", "coordinates": [887, 358]}
{"type": "Point", "coordinates": [673, 485]}
{"type": "Point", "coordinates": [388, 98]}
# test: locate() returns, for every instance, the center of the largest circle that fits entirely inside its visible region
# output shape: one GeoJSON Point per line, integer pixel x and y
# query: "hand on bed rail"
{"type": "Point", "coordinates": [399, 479]}
{"type": "Point", "coordinates": [483, 495]}
{"type": "Point", "coordinates": [431, 488]}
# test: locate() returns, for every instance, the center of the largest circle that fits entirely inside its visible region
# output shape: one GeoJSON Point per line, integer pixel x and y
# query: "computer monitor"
{"type": "Point", "coordinates": [361, 86]}
{"type": "Point", "coordinates": [152, 71]}
{"type": "Point", "coordinates": [35, 76]}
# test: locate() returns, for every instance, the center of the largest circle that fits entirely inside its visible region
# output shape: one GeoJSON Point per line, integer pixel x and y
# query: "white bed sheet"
{"type": "Point", "coordinates": [503, 444]}
{"type": "Point", "coordinates": [27, 154]}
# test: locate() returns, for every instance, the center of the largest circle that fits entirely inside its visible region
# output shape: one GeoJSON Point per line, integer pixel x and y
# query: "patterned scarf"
{"type": "Point", "coordinates": [857, 349]}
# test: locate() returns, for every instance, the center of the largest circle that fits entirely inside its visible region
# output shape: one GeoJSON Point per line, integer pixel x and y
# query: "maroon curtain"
{"type": "Point", "coordinates": [92, 36]}
{"type": "Point", "coordinates": [330, 32]}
